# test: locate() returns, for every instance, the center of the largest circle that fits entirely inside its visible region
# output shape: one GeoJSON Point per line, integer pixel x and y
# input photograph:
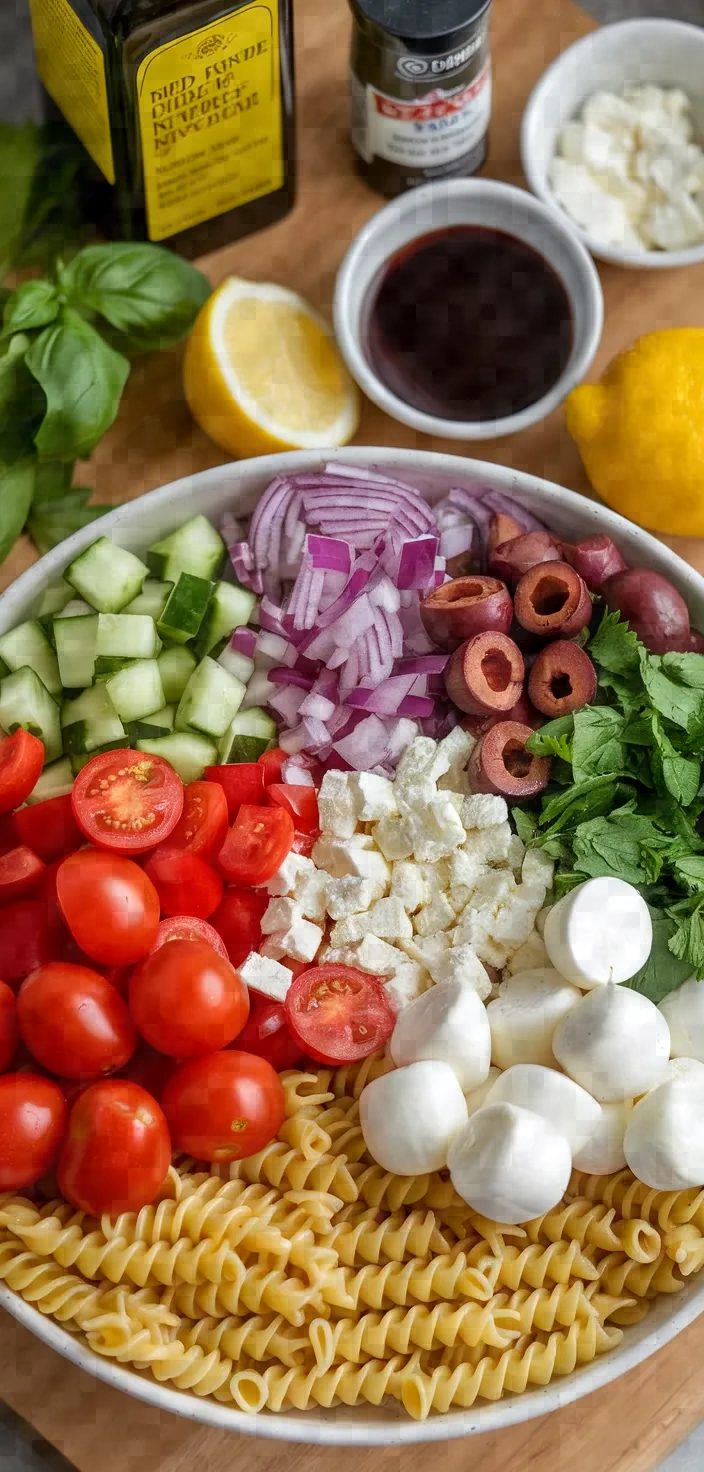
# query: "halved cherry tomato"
{"type": "Point", "coordinates": [189, 927]}
{"type": "Point", "coordinates": [272, 763]}
{"type": "Point", "coordinates": [242, 782]}
{"type": "Point", "coordinates": [70, 951]}
{"type": "Point", "coordinates": [185, 999]}
{"type": "Point", "coordinates": [32, 1121]}
{"type": "Point", "coordinates": [74, 1022]}
{"type": "Point", "coordinates": [21, 762]}
{"type": "Point", "coordinates": [184, 883]}
{"type": "Point", "coordinates": [9, 1031]}
{"type": "Point", "coordinates": [266, 1033]}
{"type": "Point", "coordinates": [304, 843]}
{"type": "Point", "coordinates": [301, 802]}
{"type": "Point", "coordinates": [110, 906]}
{"type": "Point", "coordinates": [339, 1014]}
{"type": "Point", "coordinates": [224, 1106]}
{"type": "Point", "coordinates": [203, 822]}
{"type": "Point", "coordinates": [238, 920]}
{"type": "Point", "coordinates": [49, 828]}
{"type": "Point", "coordinates": [8, 833]}
{"type": "Point", "coordinates": [256, 845]}
{"type": "Point", "coordinates": [21, 874]}
{"type": "Point", "coordinates": [25, 939]}
{"type": "Point", "coordinates": [149, 1069]}
{"type": "Point", "coordinates": [127, 801]}
{"type": "Point", "coordinates": [117, 1149]}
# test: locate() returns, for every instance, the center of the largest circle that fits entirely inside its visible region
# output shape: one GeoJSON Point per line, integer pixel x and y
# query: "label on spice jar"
{"type": "Point", "coordinates": [71, 66]}
{"type": "Point", "coordinates": [427, 133]}
{"type": "Point", "coordinates": [210, 120]}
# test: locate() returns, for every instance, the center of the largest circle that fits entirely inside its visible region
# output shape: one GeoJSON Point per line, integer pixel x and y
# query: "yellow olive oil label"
{"type": "Point", "coordinates": [210, 120]}
{"type": "Point", "coordinates": [71, 66]}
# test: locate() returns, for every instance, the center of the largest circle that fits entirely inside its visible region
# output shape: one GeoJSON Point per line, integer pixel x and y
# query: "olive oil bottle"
{"type": "Point", "coordinates": [182, 111]}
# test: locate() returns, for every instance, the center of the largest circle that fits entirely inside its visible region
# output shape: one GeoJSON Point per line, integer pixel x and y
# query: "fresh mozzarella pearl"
{"type": "Point", "coordinates": [615, 1043]}
{"type": "Point", "coordinates": [449, 1024]}
{"type": "Point", "coordinates": [551, 1095]}
{"type": "Point", "coordinates": [664, 1142]}
{"type": "Point", "coordinates": [525, 1014]}
{"type": "Point", "coordinates": [684, 1068]}
{"type": "Point", "coordinates": [599, 932]}
{"type": "Point", "coordinates": [410, 1117]}
{"type": "Point", "coordinates": [684, 1011]}
{"type": "Point", "coordinates": [602, 1153]}
{"type": "Point", "coordinates": [509, 1164]}
{"type": "Point", "coordinates": [475, 1098]}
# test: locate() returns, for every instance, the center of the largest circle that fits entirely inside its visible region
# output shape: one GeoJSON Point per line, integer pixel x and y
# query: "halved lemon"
{"type": "Point", "coordinates": [262, 373]}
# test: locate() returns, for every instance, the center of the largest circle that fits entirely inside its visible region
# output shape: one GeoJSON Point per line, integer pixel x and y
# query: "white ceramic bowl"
{"type": "Point", "coordinates": [237, 486]}
{"type": "Point", "coordinates": [465, 202]}
{"type": "Point", "coordinates": [666, 52]}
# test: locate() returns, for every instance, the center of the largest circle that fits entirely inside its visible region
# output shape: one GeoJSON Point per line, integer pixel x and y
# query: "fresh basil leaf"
{"type": "Point", "coordinates": [22, 403]}
{"type": "Point", "coordinates": [663, 972]}
{"type": "Point", "coordinates": [677, 703]}
{"type": "Point", "coordinates": [58, 508]}
{"type": "Point", "coordinates": [145, 292]}
{"type": "Point", "coordinates": [687, 668]}
{"type": "Point", "coordinates": [82, 379]}
{"type": "Point", "coordinates": [16, 490]}
{"type": "Point", "coordinates": [597, 745]}
{"type": "Point", "coordinates": [590, 799]}
{"type": "Point", "coordinates": [687, 943]}
{"type": "Point", "coordinates": [614, 646]}
{"type": "Point", "coordinates": [19, 154]}
{"type": "Point", "coordinates": [552, 739]}
{"type": "Point", "coordinates": [33, 304]}
{"type": "Point", "coordinates": [681, 775]}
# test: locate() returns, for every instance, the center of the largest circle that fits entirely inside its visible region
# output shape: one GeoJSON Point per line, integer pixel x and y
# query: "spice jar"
{"type": "Point", "coordinates": [420, 82]}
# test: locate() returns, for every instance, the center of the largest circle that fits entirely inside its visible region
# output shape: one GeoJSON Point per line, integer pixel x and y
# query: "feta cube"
{"type": "Point", "coordinates": [438, 829]}
{"type": "Point", "coordinates": [285, 878]}
{"type": "Point", "coordinates": [461, 963]}
{"type": "Point", "coordinates": [272, 946]}
{"type": "Point", "coordinates": [336, 805]}
{"type": "Point", "coordinates": [267, 976]}
{"type": "Point", "coordinates": [370, 864]}
{"type": "Point", "coordinates": [492, 844]}
{"type": "Point", "coordinates": [426, 950]}
{"type": "Point", "coordinates": [537, 868]}
{"type": "Point", "coordinates": [466, 868]}
{"type": "Point", "coordinates": [349, 896]}
{"type": "Point", "coordinates": [393, 837]}
{"type": "Point", "coordinates": [438, 915]}
{"type": "Point", "coordinates": [377, 956]}
{"type": "Point", "coordinates": [301, 941]}
{"type": "Point", "coordinates": [407, 983]}
{"type": "Point", "coordinates": [349, 932]}
{"type": "Point", "coordinates": [386, 919]}
{"type": "Point", "coordinates": [408, 884]}
{"type": "Point", "coordinates": [453, 753]}
{"type": "Point", "coordinates": [516, 850]}
{"type": "Point", "coordinates": [280, 914]}
{"type": "Point", "coordinates": [373, 796]}
{"type": "Point", "coordinates": [529, 956]}
{"type": "Point", "coordinates": [482, 810]}
{"type": "Point", "coordinates": [310, 893]}
{"type": "Point", "coordinates": [420, 764]}
{"type": "Point", "coordinates": [337, 855]}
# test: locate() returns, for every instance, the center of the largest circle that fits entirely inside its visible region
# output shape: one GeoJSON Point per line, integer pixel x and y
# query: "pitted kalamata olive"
{"type": "Point", "coordinates": [464, 607]}
{"type": "Point", "coordinates": [656, 612]}
{"type": "Point", "coordinates": [485, 675]}
{"type": "Point", "coordinates": [511, 559]}
{"type": "Point", "coordinates": [522, 711]}
{"type": "Point", "coordinates": [501, 764]}
{"type": "Point", "coordinates": [502, 528]}
{"type": "Point", "coordinates": [693, 643]}
{"type": "Point", "coordinates": [562, 679]}
{"type": "Point", "coordinates": [552, 599]}
{"type": "Point", "coordinates": [595, 559]}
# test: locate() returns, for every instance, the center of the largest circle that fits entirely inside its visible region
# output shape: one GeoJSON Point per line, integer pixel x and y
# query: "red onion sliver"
{"type": "Point", "coordinates": [423, 664]}
{"type": "Point", "coordinates": [244, 641]}
{"type": "Point", "coordinates": [282, 675]}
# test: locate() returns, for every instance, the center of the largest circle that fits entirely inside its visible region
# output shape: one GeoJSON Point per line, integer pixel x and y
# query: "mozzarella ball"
{"type": "Point", "coordinates": [448, 1024]}
{"type": "Point", "coordinates": [525, 1014]}
{"type": "Point", "coordinates": [510, 1164]}
{"type": "Point", "coordinates": [615, 1043]}
{"type": "Point", "coordinates": [475, 1098]}
{"type": "Point", "coordinates": [664, 1141]}
{"type": "Point", "coordinates": [551, 1095]}
{"type": "Point", "coordinates": [602, 1153]}
{"type": "Point", "coordinates": [683, 1068]}
{"type": "Point", "coordinates": [410, 1117]}
{"type": "Point", "coordinates": [600, 932]}
{"type": "Point", "coordinates": [684, 1013]}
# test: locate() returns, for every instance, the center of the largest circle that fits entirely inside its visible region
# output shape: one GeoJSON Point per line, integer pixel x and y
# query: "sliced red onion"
{"type": "Point", "coordinates": [271, 617]}
{"type": "Point", "coordinates": [329, 553]}
{"type": "Point", "coordinates": [458, 539]}
{"type": "Point", "coordinates": [318, 735]}
{"type": "Point", "coordinates": [274, 649]}
{"type": "Point", "coordinates": [383, 699]}
{"type": "Point", "coordinates": [416, 706]}
{"type": "Point", "coordinates": [286, 702]}
{"type": "Point", "coordinates": [417, 562]}
{"type": "Point", "coordinates": [244, 641]}
{"type": "Point", "coordinates": [365, 746]}
{"type": "Point", "coordinates": [282, 675]}
{"type": "Point", "coordinates": [293, 740]}
{"type": "Point", "coordinates": [423, 664]}
{"type": "Point", "coordinates": [317, 707]}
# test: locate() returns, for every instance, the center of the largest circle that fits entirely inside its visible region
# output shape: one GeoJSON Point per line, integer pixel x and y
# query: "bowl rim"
{"type": "Point", "coordinates": [346, 320]}
{"type": "Point", "coordinates": [318, 1426]}
{"type": "Point", "coordinates": [645, 260]}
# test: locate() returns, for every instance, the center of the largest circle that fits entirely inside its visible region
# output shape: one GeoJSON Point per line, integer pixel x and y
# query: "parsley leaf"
{"type": "Point", "coordinates": [525, 824]}
{"type": "Point", "coordinates": [589, 799]}
{"type": "Point", "coordinates": [687, 943]}
{"type": "Point", "coordinates": [677, 703]}
{"type": "Point", "coordinates": [687, 668]}
{"type": "Point", "coordinates": [615, 647]}
{"type": "Point", "coordinates": [553, 739]}
{"type": "Point", "coordinates": [690, 870]}
{"type": "Point", "coordinates": [663, 971]}
{"type": "Point", "coordinates": [623, 844]}
{"type": "Point", "coordinates": [597, 745]}
{"type": "Point", "coordinates": [680, 775]}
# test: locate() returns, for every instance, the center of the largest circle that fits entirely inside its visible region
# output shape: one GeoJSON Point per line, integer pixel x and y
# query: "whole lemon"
{"type": "Point", "coordinates": [640, 431]}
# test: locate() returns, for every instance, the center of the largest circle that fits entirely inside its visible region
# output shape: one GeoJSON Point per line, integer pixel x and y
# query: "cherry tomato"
{"type": "Point", "coordinates": [21, 762]}
{"type": "Point", "coordinates": [256, 845]}
{"type": "Point", "coordinates": [304, 843]}
{"type": "Point", "coordinates": [189, 927]}
{"type": "Point", "coordinates": [9, 1031]}
{"type": "Point", "coordinates": [267, 1034]}
{"type": "Point", "coordinates": [74, 1022]}
{"type": "Point", "coordinates": [242, 782]}
{"type": "Point", "coordinates": [272, 764]}
{"type": "Point", "coordinates": [301, 802]}
{"type": "Point", "coordinates": [49, 828]}
{"type": "Point", "coordinates": [185, 999]}
{"type": "Point", "coordinates": [32, 1121]}
{"type": "Point", "coordinates": [8, 832]}
{"type": "Point", "coordinates": [149, 1069]}
{"type": "Point", "coordinates": [184, 883]}
{"type": "Point", "coordinates": [117, 1149]}
{"type": "Point", "coordinates": [224, 1106]}
{"type": "Point", "coordinates": [110, 906]}
{"type": "Point", "coordinates": [339, 1014]}
{"type": "Point", "coordinates": [203, 822]}
{"type": "Point", "coordinates": [127, 801]}
{"type": "Point", "coordinates": [25, 939]}
{"type": "Point", "coordinates": [50, 900]}
{"type": "Point", "coordinates": [21, 874]}
{"type": "Point", "coordinates": [238, 920]}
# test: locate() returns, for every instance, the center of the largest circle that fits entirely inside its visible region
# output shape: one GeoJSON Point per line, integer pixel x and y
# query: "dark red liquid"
{"type": "Point", "coordinates": [469, 323]}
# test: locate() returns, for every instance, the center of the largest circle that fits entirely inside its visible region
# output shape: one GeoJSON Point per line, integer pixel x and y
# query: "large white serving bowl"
{"type": "Point", "coordinates": [237, 486]}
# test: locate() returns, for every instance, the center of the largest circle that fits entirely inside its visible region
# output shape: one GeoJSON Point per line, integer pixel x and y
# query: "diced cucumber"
{"type": "Point", "coordinates": [195, 547]}
{"type": "Point", "coordinates": [186, 608]}
{"type": "Point", "coordinates": [25, 701]}
{"type": "Point", "coordinates": [152, 599]}
{"type": "Point", "coordinates": [56, 781]}
{"type": "Point", "coordinates": [137, 691]}
{"type": "Point", "coordinates": [229, 607]}
{"type": "Point", "coordinates": [259, 689]}
{"type": "Point", "coordinates": [107, 576]}
{"type": "Point", "coordinates": [239, 665]}
{"type": "Point", "coordinates": [247, 728]}
{"type": "Point", "coordinates": [176, 667]}
{"type": "Point", "coordinates": [77, 608]}
{"type": "Point", "coordinates": [4, 670]}
{"type": "Point", "coordinates": [55, 598]}
{"type": "Point", "coordinates": [91, 721]}
{"type": "Point", "coordinates": [155, 725]}
{"type": "Point", "coordinates": [188, 753]}
{"type": "Point", "coordinates": [109, 664]}
{"type": "Point", "coordinates": [164, 717]}
{"type": "Point", "coordinates": [210, 700]}
{"type": "Point", "coordinates": [75, 649]}
{"type": "Point", "coordinates": [80, 760]}
{"type": "Point", "coordinates": [130, 635]}
{"type": "Point", "coordinates": [28, 645]}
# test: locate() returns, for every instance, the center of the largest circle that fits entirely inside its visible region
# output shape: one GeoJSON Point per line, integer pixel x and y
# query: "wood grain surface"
{"type": "Point", "coordinates": [630, 1426]}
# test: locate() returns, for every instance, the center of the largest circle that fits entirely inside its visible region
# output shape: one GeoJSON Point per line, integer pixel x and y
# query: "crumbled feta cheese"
{"type": "Point", "coordinates": [516, 850]}
{"type": "Point", "coordinates": [371, 865]}
{"type": "Point", "coordinates": [437, 830]}
{"type": "Point", "coordinates": [409, 885]}
{"type": "Point", "coordinates": [349, 896]}
{"type": "Point", "coordinates": [493, 844]}
{"type": "Point", "coordinates": [272, 946]}
{"type": "Point", "coordinates": [537, 868]}
{"type": "Point", "coordinates": [435, 916]}
{"type": "Point", "coordinates": [482, 810]}
{"type": "Point", "coordinates": [301, 941]}
{"type": "Point", "coordinates": [466, 868]}
{"type": "Point", "coordinates": [310, 892]}
{"type": "Point", "coordinates": [285, 879]}
{"type": "Point", "coordinates": [461, 963]}
{"type": "Point", "coordinates": [422, 763]}
{"type": "Point", "coordinates": [336, 805]}
{"type": "Point", "coordinates": [394, 838]}
{"type": "Point", "coordinates": [338, 856]}
{"type": "Point", "coordinates": [386, 919]}
{"type": "Point", "coordinates": [530, 956]}
{"type": "Point", "coordinates": [375, 955]}
{"type": "Point", "coordinates": [280, 914]}
{"type": "Point", "coordinates": [455, 750]}
{"type": "Point", "coordinates": [407, 983]}
{"type": "Point", "coordinates": [373, 796]}
{"type": "Point", "coordinates": [265, 975]}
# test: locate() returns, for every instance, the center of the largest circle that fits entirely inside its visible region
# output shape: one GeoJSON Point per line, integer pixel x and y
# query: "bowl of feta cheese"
{"type": "Point", "coordinates": [613, 138]}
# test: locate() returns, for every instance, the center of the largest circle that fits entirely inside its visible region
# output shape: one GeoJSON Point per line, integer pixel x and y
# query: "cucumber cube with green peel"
{"type": "Point", "coordinates": [107, 576]}
{"type": "Point", "coordinates": [196, 547]}
{"type": "Point", "coordinates": [26, 702]}
{"type": "Point", "coordinates": [210, 700]}
{"type": "Point", "coordinates": [186, 608]}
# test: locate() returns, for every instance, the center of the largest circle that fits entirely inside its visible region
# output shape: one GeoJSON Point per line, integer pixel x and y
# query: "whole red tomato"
{"type": "Point", "coordinates": [117, 1149]}
{"type": "Point", "coordinates": [224, 1106]}
{"type": "Point", "coordinates": [74, 1022]}
{"type": "Point", "coordinates": [32, 1121]}
{"type": "Point", "coordinates": [238, 920]}
{"type": "Point", "coordinates": [9, 1031]}
{"type": "Point", "coordinates": [266, 1033]}
{"type": "Point", "coordinates": [110, 906]}
{"type": "Point", "coordinates": [186, 999]}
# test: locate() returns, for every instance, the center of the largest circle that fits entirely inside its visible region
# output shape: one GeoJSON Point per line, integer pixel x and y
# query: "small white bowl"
{"type": "Point", "coordinates": [438, 206]}
{"type": "Point", "coordinates": [668, 53]}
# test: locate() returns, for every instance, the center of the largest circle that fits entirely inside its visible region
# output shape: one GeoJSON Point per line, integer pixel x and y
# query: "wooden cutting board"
{"type": "Point", "coordinates": [631, 1426]}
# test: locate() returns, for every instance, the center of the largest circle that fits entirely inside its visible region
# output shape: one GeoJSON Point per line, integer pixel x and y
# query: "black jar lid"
{"type": "Point", "coordinates": [415, 20]}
